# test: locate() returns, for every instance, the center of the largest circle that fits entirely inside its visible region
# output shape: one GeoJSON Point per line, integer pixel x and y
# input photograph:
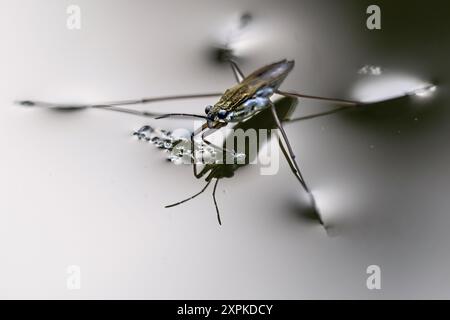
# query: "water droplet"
{"type": "Point", "coordinates": [181, 134]}
{"type": "Point", "coordinates": [371, 70]}
{"type": "Point", "coordinates": [167, 145]}
{"type": "Point", "coordinates": [143, 132]}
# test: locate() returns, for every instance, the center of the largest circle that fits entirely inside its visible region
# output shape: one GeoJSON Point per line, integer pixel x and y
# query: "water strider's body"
{"type": "Point", "coordinates": [249, 96]}
{"type": "Point", "coordinates": [243, 101]}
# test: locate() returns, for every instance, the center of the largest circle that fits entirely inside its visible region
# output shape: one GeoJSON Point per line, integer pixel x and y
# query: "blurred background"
{"type": "Point", "coordinates": [78, 189]}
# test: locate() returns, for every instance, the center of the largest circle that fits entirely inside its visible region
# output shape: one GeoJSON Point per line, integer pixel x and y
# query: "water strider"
{"type": "Point", "coordinates": [222, 168]}
{"type": "Point", "coordinates": [247, 98]}
{"type": "Point", "coordinates": [237, 105]}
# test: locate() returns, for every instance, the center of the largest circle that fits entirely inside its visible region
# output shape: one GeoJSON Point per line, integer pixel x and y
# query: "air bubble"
{"type": "Point", "coordinates": [143, 132]}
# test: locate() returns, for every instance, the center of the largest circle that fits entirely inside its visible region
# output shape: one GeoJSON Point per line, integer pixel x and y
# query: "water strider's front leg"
{"type": "Point", "coordinates": [190, 198]}
{"type": "Point", "coordinates": [215, 202]}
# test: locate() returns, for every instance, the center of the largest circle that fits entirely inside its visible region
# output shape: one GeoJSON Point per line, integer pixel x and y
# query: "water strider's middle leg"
{"type": "Point", "coordinates": [292, 162]}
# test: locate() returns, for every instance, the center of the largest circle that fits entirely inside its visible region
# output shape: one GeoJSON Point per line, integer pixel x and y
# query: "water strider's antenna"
{"type": "Point", "coordinates": [168, 115]}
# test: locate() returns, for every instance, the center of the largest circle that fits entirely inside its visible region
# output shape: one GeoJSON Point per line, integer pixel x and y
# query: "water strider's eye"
{"type": "Point", "coordinates": [207, 109]}
{"type": "Point", "coordinates": [222, 114]}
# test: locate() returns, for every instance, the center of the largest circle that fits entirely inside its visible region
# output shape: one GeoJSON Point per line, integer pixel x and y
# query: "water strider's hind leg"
{"type": "Point", "coordinates": [350, 103]}
{"type": "Point", "coordinates": [317, 115]}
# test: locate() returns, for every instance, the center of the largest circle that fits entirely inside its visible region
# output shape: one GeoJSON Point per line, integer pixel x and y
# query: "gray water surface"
{"type": "Point", "coordinates": [78, 189]}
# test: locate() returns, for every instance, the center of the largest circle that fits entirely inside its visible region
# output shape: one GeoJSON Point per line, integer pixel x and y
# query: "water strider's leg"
{"type": "Point", "coordinates": [238, 74]}
{"type": "Point", "coordinates": [117, 103]}
{"type": "Point", "coordinates": [193, 134]}
{"type": "Point", "coordinates": [286, 140]}
{"type": "Point", "coordinates": [190, 198]}
{"type": "Point", "coordinates": [350, 103]}
{"type": "Point", "coordinates": [294, 171]}
{"type": "Point", "coordinates": [209, 132]}
{"type": "Point", "coordinates": [130, 111]}
{"type": "Point", "coordinates": [215, 201]}
{"type": "Point", "coordinates": [294, 164]}
{"type": "Point", "coordinates": [204, 131]}
{"type": "Point", "coordinates": [298, 95]}
{"type": "Point", "coordinates": [286, 155]}
{"type": "Point", "coordinates": [317, 115]}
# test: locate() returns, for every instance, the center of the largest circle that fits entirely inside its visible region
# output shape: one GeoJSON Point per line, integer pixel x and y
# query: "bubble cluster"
{"type": "Point", "coordinates": [179, 147]}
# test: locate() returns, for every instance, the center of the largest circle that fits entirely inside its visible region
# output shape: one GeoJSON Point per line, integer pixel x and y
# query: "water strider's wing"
{"type": "Point", "coordinates": [271, 75]}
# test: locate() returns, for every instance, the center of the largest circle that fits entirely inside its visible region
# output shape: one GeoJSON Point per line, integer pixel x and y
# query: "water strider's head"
{"type": "Point", "coordinates": [216, 117]}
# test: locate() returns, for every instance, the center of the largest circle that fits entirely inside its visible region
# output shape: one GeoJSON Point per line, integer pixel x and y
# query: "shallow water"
{"type": "Point", "coordinates": [78, 189]}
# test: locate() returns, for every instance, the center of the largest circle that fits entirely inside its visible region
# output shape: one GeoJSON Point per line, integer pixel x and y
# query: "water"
{"type": "Point", "coordinates": [77, 190]}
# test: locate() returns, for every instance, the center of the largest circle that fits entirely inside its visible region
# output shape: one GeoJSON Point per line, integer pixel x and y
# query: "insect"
{"type": "Point", "coordinates": [247, 98]}
{"type": "Point", "coordinates": [250, 96]}
{"type": "Point", "coordinates": [222, 169]}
